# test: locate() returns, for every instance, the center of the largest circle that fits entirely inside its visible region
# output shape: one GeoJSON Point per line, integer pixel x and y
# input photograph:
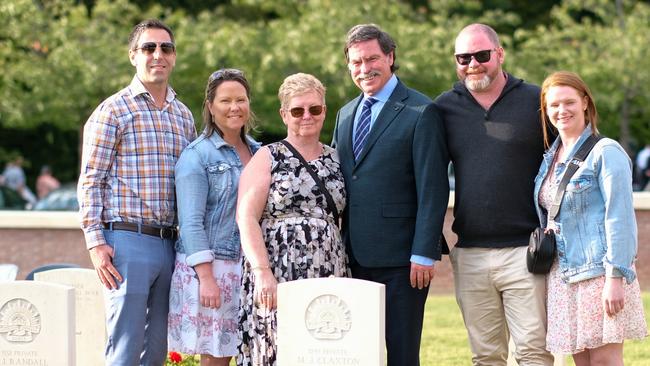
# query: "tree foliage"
{"type": "Point", "coordinates": [606, 47]}
{"type": "Point", "coordinates": [60, 58]}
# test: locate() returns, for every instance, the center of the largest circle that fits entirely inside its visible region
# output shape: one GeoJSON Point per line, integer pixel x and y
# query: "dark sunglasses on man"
{"type": "Point", "coordinates": [481, 57]}
{"type": "Point", "coordinates": [150, 47]}
{"type": "Point", "coordinates": [314, 110]}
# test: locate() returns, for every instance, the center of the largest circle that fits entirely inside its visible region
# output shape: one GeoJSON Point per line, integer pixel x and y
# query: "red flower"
{"type": "Point", "coordinates": [175, 357]}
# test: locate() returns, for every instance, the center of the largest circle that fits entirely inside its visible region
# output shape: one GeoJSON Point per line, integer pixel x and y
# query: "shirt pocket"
{"type": "Point", "coordinates": [580, 184]}
{"type": "Point", "coordinates": [577, 195]}
{"type": "Point", "coordinates": [219, 176]}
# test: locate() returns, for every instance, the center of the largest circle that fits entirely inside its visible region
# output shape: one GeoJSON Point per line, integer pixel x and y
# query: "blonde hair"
{"type": "Point", "coordinates": [572, 80]}
{"type": "Point", "coordinates": [298, 84]}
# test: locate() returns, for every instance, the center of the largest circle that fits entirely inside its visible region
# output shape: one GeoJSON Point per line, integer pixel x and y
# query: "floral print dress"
{"type": "Point", "coordinates": [576, 318]}
{"type": "Point", "coordinates": [301, 238]}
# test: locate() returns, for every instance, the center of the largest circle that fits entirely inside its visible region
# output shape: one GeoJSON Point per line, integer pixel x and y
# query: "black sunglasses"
{"type": "Point", "coordinates": [225, 74]}
{"type": "Point", "coordinates": [480, 56]}
{"type": "Point", "coordinates": [314, 110]}
{"type": "Point", "coordinates": [150, 47]}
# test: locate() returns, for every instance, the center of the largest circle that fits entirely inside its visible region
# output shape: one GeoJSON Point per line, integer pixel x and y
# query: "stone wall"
{"type": "Point", "coordinates": [30, 240]}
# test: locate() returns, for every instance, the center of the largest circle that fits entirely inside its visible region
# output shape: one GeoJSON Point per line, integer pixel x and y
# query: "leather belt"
{"type": "Point", "coordinates": [161, 232]}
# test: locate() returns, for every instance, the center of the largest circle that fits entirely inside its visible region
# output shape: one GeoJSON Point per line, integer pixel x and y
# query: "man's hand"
{"type": "Point", "coordinates": [102, 258]}
{"type": "Point", "coordinates": [421, 275]}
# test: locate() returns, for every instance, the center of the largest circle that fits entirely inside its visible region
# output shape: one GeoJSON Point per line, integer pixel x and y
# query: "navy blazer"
{"type": "Point", "coordinates": [398, 189]}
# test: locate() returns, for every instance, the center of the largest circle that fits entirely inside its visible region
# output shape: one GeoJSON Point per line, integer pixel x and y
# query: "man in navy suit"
{"type": "Point", "coordinates": [391, 144]}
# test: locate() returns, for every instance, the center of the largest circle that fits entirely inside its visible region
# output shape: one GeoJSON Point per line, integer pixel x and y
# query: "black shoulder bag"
{"type": "Point", "coordinates": [328, 197]}
{"type": "Point", "coordinates": [541, 246]}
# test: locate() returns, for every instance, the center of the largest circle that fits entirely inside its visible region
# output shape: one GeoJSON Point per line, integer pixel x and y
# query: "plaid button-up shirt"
{"type": "Point", "coordinates": [130, 148]}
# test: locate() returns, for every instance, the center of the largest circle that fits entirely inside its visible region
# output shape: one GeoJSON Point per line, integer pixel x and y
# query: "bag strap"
{"type": "Point", "coordinates": [573, 166]}
{"type": "Point", "coordinates": [319, 182]}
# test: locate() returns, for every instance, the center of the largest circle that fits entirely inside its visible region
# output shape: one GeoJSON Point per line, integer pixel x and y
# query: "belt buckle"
{"type": "Point", "coordinates": [166, 233]}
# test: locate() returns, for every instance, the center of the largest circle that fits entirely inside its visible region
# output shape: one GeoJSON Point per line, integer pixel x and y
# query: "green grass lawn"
{"type": "Point", "coordinates": [444, 339]}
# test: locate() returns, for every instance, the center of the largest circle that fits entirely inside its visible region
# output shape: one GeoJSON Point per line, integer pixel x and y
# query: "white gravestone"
{"type": "Point", "coordinates": [90, 318]}
{"type": "Point", "coordinates": [8, 272]}
{"type": "Point", "coordinates": [331, 321]}
{"type": "Point", "coordinates": [36, 324]}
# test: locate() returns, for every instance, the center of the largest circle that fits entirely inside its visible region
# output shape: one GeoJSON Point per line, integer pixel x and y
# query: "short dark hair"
{"type": "Point", "coordinates": [217, 78]}
{"type": "Point", "coordinates": [139, 28]}
{"type": "Point", "coordinates": [368, 32]}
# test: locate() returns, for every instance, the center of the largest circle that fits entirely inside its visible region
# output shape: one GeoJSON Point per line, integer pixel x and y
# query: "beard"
{"type": "Point", "coordinates": [478, 85]}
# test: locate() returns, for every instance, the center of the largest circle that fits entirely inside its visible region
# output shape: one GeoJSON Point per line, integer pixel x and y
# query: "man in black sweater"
{"type": "Point", "coordinates": [495, 142]}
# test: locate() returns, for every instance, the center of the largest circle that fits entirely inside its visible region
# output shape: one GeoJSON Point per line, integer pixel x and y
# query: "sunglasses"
{"type": "Point", "coordinates": [150, 47]}
{"type": "Point", "coordinates": [225, 74]}
{"type": "Point", "coordinates": [481, 56]}
{"type": "Point", "coordinates": [314, 110]}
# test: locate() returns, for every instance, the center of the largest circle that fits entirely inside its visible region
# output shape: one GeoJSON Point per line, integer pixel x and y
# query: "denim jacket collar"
{"type": "Point", "coordinates": [219, 142]}
{"type": "Point", "coordinates": [583, 137]}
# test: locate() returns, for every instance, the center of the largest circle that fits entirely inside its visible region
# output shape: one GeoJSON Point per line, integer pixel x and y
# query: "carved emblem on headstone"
{"type": "Point", "coordinates": [20, 321]}
{"type": "Point", "coordinates": [328, 317]}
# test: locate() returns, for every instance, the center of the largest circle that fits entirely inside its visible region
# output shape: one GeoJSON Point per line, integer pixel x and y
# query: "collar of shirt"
{"type": "Point", "coordinates": [382, 98]}
{"type": "Point", "coordinates": [219, 142]}
{"type": "Point", "coordinates": [136, 87]}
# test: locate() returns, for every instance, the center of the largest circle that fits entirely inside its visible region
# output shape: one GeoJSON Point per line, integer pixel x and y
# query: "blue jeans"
{"type": "Point", "coordinates": [136, 312]}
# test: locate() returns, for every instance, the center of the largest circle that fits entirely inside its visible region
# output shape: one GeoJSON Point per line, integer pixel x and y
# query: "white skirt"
{"type": "Point", "coordinates": [195, 329]}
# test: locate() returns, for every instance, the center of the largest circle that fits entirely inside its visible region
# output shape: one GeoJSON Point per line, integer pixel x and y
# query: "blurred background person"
{"type": "Point", "coordinates": [13, 177]}
{"type": "Point", "coordinates": [204, 295]}
{"type": "Point", "coordinates": [641, 172]}
{"type": "Point", "coordinates": [594, 301]}
{"type": "Point", "coordinates": [46, 183]}
{"type": "Point", "coordinates": [288, 231]}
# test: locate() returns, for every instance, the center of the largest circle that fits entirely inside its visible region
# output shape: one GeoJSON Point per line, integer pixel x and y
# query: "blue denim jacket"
{"type": "Point", "coordinates": [207, 176]}
{"type": "Point", "coordinates": [596, 227]}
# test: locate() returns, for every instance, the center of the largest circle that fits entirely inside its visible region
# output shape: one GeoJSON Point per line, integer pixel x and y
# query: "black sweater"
{"type": "Point", "coordinates": [496, 155]}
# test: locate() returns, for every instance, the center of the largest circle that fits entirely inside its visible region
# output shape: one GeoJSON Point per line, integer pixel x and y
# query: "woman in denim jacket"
{"type": "Point", "coordinates": [204, 295]}
{"type": "Point", "coordinates": [594, 300]}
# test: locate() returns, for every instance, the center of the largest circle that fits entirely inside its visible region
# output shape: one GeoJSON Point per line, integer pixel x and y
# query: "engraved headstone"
{"type": "Point", "coordinates": [90, 318]}
{"type": "Point", "coordinates": [8, 272]}
{"type": "Point", "coordinates": [331, 321]}
{"type": "Point", "coordinates": [36, 324]}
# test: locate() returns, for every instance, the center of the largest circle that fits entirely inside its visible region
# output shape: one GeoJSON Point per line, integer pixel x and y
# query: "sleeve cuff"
{"type": "Point", "coordinates": [94, 238]}
{"type": "Point", "coordinates": [423, 261]}
{"type": "Point", "coordinates": [203, 256]}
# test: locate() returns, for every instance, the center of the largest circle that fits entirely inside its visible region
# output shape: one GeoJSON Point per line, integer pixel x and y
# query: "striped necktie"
{"type": "Point", "coordinates": [363, 127]}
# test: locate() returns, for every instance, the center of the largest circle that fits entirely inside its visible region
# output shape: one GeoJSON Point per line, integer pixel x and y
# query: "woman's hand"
{"type": "Point", "coordinates": [209, 295]}
{"type": "Point", "coordinates": [613, 295]}
{"type": "Point", "coordinates": [266, 288]}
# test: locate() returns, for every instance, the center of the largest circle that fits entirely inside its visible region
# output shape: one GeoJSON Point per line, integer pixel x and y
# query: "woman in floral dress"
{"type": "Point", "coordinates": [287, 230]}
{"type": "Point", "coordinates": [594, 301]}
{"type": "Point", "coordinates": [204, 294]}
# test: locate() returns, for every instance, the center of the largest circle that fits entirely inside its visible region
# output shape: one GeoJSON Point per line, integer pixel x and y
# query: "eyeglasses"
{"type": "Point", "coordinates": [150, 47]}
{"type": "Point", "coordinates": [225, 74]}
{"type": "Point", "coordinates": [314, 110]}
{"type": "Point", "coordinates": [481, 56]}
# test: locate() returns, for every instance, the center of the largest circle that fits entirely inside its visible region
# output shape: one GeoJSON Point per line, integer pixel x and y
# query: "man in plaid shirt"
{"type": "Point", "coordinates": [126, 194]}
